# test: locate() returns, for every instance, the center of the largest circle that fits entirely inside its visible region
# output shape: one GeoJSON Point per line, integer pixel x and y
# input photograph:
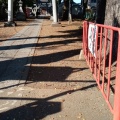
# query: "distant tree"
{"type": "Point", "coordinates": [3, 1]}
{"type": "Point", "coordinates": [3, 6]}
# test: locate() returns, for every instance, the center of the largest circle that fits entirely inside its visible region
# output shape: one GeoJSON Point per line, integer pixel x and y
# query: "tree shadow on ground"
{"type": "Point", "coordinates": [52, 74]}
{"type": "Point", "coordinates": [14, 67]}
{"type": "Point", "coordinates": [40, 45]}
{"type": "Point", "coordinates": [32, 111]}
{"type": "Point", "coordinates": [43, 59]}
{"type": "Point", "coordinates": [17, 67]}
{"type": "Point", "coordinates": [71, 34]}
{"type": "Point", "coordinates": [38, 109]}
{"type": "Point", "coordinates": [74, 33]}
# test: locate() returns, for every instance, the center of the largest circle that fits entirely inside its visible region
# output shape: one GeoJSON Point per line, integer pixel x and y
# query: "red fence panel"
{"type": "Point", "coordinates": [101, 48]}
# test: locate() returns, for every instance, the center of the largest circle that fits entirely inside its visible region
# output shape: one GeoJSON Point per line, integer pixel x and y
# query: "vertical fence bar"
{"type": "Point", "coordinates": [91, 60]}
{"type": "Point", "coordinates": [100, 56]}
{"type": "Point", "coordinates": [84, 35]}
{"type": "Point", "coordinates": [96, 49]}
{"type": "Point", "coordinates": [117, 86]}
{"type": "Point", "coordinates": [110, 59]}
{"type": "Point", "coordinates": [88, 57]}
{"type": "Point", "coordinates": [103, 80]}
{"type": "Point", "coordinates": [86, 38]}
{"type": "Point", "coordinates": [92, 66]}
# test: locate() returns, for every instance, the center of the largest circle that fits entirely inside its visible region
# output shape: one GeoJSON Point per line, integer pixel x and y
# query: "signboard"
{"type": "Point", "coordinates": [92, 38]}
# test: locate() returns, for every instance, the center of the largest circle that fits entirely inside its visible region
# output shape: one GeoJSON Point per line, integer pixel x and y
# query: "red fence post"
{"type": "Point", "coordinates": [83, 45]}
{"type": "Point", "coordinates": [117, 86]}
{"type": "Point", "coordinates": [85, 30]}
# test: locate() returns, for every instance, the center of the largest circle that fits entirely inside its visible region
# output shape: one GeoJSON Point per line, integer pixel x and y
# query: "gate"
{"type": "Point", "coordinates": [101, 48]}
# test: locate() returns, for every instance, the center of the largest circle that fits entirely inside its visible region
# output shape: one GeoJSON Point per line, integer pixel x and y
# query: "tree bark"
{"type": "Point", "coordinates": [100, 11]}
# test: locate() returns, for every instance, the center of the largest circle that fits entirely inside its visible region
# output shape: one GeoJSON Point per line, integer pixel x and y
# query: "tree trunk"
{"type": "Point", "coordinates": [59, 1]}
{"type": "Point", "coordinates": [65, 10]}
{"type": "Point", "coordinates": [84, 4]}
{"type": "Point", "coordinates": [100, 11]}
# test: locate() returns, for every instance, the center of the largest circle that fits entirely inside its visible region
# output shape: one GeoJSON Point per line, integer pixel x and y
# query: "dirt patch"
{"type": "Point", "coordinates": [56, 60]}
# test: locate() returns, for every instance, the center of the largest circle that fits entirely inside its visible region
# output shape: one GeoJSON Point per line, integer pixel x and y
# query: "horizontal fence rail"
{"type": "Point", "coordinates": [101, 48]}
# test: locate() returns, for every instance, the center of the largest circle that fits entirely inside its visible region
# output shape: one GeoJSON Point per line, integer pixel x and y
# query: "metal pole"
{"type": "Point", "coordinates": [69, 15]}
{"type": "Point", "coordinates": [46, 8]}
{"type": "Point", "coordinates": [58, 11]}
{"type": "Point", "coordinates": [54, 11]}
{"type": "Point", "coordinates": [10, 10]}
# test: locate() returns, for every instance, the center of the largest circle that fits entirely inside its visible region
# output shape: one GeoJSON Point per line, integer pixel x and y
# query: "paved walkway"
{"type": "Point", "coordinates": [59, 86]}
{"type": "Point", "coordinates": [15, 55]}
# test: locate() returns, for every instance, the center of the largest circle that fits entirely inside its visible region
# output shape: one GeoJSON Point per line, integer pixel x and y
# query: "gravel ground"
{"type": "Point", "coordinates": [64, 87]}
{"type": "Point", "coordinates": [59, 86]}
{"type": "Point", "coordinates": [56, 56]}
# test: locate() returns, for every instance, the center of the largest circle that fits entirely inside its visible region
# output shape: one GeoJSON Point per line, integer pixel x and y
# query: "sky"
{"type": "Point", "coordinates": [77, 1]}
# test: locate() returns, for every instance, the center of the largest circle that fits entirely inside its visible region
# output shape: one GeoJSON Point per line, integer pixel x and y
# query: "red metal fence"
{"type": "Point", "coordinates": [101, 47]}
